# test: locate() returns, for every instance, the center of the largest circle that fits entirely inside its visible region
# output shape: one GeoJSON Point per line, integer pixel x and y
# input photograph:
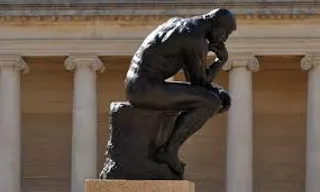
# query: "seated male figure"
{"type": "Point", "coordinates": [182, 44]}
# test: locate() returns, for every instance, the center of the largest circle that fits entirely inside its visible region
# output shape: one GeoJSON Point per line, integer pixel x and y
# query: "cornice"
{"type": "Point", "coordinates": [16, 4]}
{"type": "Point", "coordinates": [135, 20]}
{"type": "Point", "coordinates": [150, 13]}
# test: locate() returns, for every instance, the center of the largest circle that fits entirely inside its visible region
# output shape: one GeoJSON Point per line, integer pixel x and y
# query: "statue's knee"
{"type": "Point", "coordinates": [207, 111]}
{"type": "Point", "coordinates": [214, 104]}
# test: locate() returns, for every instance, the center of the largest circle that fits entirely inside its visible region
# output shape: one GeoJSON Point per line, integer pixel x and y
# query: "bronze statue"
{"type": "Point", "coordinates": [181, 44]}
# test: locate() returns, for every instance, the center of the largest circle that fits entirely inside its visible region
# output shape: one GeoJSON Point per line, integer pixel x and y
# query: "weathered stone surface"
{"type": "Point", "coordinates": [135, 136]}
{"type": "Point", "coordinates": [52, 2]}
{"type": "Point", "coordinates": [138, 186]}
{"type": "Point", "coordinates": [168, 7]}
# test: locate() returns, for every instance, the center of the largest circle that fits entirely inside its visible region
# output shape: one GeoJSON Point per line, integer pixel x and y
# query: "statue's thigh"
{"type": "Point", "coordinates": [174, 96]}
{"type": "Point", "coordinates": [183, 96]}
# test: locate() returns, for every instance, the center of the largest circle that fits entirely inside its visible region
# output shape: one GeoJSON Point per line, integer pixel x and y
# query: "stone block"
{"type": "Point", "coordinates": [135, 136]}
{"type": "Point", "coordinates": [94, 185]}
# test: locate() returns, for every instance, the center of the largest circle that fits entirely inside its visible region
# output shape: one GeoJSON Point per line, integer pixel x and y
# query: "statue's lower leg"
{"type": "Point", "coordinates": [186, 125]}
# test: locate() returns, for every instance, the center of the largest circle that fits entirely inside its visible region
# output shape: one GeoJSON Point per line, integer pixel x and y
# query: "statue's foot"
{"type": "Point", "coordinates": [171, 158]}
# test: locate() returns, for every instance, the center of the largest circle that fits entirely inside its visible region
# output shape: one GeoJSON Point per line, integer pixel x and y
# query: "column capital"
{"type": "Point", "coordinates": [310, 61]}
{"type": "Point", "coordinates": [242, 60]}
{"type": "Point", "coordinates": [13, 62]}
{"type": "Point", "coordinates": [84, 61]}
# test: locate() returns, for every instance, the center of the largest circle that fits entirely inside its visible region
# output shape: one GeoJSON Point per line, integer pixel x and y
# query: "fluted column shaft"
{"type": "Point", "coordinates": [239, 131]}
{"type": "Point", "coordinates": [311, 63]}
{"type": "Point", "coordinates": [84, 128]}
{"type": "Point", "coordinates": [10, 122]}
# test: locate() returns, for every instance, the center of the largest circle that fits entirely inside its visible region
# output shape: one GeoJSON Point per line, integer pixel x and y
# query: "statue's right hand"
{"type": "Point", "coordinates": [212, 88]}
{"type": "Point", "coordinates": [221, 51]}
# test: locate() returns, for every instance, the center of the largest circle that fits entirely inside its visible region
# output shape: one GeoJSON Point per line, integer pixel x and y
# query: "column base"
{"type": "Point", "coordinates": [95, 185]}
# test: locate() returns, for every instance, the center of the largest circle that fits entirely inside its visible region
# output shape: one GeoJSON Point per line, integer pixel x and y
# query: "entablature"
{"type": "Point", "coordinates": [149, 12]}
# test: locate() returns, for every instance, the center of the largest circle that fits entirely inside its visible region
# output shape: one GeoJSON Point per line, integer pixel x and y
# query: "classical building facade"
{"type": "Point", "coordinates": [63, 62]}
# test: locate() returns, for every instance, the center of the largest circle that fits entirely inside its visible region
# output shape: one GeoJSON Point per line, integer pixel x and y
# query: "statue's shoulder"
{"type": "Point", "coordinates": [174, 19]}
{"type": "Point", "coordinates": [170, 24]}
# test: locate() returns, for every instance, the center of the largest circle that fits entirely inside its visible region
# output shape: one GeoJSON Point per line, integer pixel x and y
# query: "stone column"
{"type": "Point", "coordinates": [10, 122]}
{"type": "Point", "coordinates": [84, 128]}
{"type": "Point", "coordinates": [239, 130]}
{"type": "Point", "coordinates": [311, 63]}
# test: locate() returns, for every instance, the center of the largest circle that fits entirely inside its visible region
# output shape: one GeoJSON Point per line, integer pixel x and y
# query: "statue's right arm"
{"type": "Point", "coordinates": [194, 65]}
{"type": "Point", "coordinates": [214, 69]}
{"type": "Point", "coordinates": [222, 57]}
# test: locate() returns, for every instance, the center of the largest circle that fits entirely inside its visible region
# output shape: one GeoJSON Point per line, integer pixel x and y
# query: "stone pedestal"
{"type": "Point", "coordinates": [138, 186]}
{"type": "Point", "coordinates": [135, 137]}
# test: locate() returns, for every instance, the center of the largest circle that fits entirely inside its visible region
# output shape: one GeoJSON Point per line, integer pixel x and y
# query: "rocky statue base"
{"type": "Point", "coordinates": [138, 186]}
{"type": "Point", "coordinates": [135, 137]}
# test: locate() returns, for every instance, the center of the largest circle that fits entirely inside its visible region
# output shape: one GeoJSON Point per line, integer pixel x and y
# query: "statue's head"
{"type": "Point", "coordinates": [222, 24]}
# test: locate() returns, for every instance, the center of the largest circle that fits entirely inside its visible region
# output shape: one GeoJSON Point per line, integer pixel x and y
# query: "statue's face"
{"type": "Point", "coordinates": [221, 32]}
{"type": "Point", "coordinates": [220, 35]}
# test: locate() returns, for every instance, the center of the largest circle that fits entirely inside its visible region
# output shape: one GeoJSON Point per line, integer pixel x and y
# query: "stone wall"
{"type": "Point", "coordinates": [46, 99]}
{"type": "Point", "coordinates": [279, 131]}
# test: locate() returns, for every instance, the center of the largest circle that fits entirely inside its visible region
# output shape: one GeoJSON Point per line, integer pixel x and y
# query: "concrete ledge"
{"type": "Point", "coordinates": [95, 185]}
